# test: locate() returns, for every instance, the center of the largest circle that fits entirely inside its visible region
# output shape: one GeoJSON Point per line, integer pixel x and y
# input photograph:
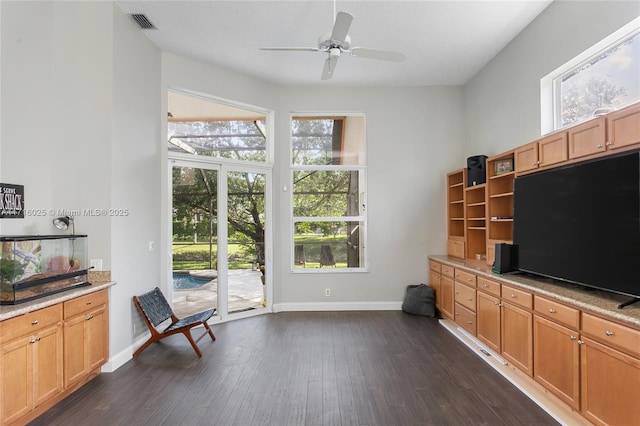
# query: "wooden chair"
{"type": "Point", "coordinates": [155, 310]}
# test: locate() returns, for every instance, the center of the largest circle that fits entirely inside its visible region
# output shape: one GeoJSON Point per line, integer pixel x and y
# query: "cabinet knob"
{"type": "Point", "coordinates": [486, 286]}
{"type": "Point", "coordinates": [469, 299]}
{"type": "Point", "coordinates": [537, 163]}
{"type": "Point", "coordinates": [608, 333]}
{"type": "Point", "coordinates": [600, 146]}
{"type": "Point", "coordinates": [88, 302]}
{"type": "Point", "coordinates": [573, 337]}
{"type": "Point", "coordinates": [533, 164]}
{"type": "Point", "coordinates": [580, 342]}
{"type": "Point", "coordinates": [33, 341]}
{"type": "Point", "coordinates": [34, 322]}
{"type": "Point", "coordinates": [513, 296]}
{"type": "Point", "coordinates": [608, 143]}
{"type": "Point", "coordinates": [552, 311]}
{"type": "Point", "coordinates": [89, 317]}
{"type": "Point", "coordinates": [469, 279]}
{"type": "Point", "coordinates": [469, 322]}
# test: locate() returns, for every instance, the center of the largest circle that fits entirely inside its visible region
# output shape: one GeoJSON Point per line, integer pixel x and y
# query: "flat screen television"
{"type": "Point", "coordinates": [581, 223]}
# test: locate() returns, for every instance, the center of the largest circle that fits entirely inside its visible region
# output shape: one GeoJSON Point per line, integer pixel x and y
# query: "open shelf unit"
{"type": "Point", "coordinates": [476, 220]}
{"type": "Point", "coordinates": [500, 179]}
{"type": "Point", "coordinates": [456, 212]}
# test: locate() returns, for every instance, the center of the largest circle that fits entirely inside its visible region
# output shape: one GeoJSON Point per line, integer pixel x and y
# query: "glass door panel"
{"type": "Point", "coordinates": [195, 239]}
{"type": "Point", "coordinates": [246, 241]}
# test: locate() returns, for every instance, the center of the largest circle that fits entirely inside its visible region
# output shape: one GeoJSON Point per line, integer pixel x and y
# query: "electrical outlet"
{"type": "Point", "coordinates": [97, 264]}
{"type": "Point", "coordinates": [327, 292]}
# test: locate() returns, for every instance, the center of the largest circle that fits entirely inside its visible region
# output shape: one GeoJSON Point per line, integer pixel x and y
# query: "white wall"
{"type": "Point", "coordinates": [81, 130]}
{"type": "Point", "coordinates": [502, 102]}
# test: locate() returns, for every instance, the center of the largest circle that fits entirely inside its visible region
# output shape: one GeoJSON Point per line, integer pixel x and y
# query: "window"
{"type": "Point", "coordinates": [601, 79]}
{"type": "Point", "coordinates": [328, 180]}
{"type": "Point", "coordinates": [199, 126]}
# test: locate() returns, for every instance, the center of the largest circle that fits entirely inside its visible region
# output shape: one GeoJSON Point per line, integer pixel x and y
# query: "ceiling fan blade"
{"type": "Point", "coordinates": [385, 55]}
{"type": "Point", "coordinates": [293, 49]}
{"type": "Point", "coordinates": [329, 67]}
{"type": "Point", "coordinates": [341, 26]}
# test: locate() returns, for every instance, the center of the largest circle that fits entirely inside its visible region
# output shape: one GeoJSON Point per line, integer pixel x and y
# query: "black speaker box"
{"type": "Point", "coordinates": [506, 258]}
{"type": "Point", "coordinates": [476, 170]}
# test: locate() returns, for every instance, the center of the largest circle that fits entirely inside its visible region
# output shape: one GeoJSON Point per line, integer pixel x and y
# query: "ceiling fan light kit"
{"type": "Point", "coordinates": [338, 42]}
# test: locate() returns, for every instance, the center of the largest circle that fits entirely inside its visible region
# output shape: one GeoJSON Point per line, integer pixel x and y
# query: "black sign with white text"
{"type": "Point", "coordinates": [11, 201]}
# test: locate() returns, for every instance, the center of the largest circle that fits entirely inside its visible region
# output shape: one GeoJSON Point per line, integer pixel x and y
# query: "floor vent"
{"type": "Point", "coordinates": [143, 21]}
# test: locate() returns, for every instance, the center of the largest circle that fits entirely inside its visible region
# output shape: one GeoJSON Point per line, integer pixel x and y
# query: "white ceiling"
{"type": "Point", "coordinates": [446, 42]}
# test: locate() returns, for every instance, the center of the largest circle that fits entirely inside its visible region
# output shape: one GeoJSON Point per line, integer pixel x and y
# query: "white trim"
{"type": "Point", "coordinates": [548, 113]}
{"type": "Point", "coordinates": [337, 306]}
{"type": "Point", "coordinates": [555, 408]}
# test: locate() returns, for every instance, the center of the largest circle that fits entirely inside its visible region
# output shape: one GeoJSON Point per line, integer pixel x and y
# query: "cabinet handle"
{"type": "Point", "coordinates": [469, 299]}
{"type": "Point", "coordinates": [608, 333]}
{"type": "Point", "coordinates": [90, 317]}
{"type": "Point", "coordinates": [469, 279]}
{"type": "Point", "coordinates": [486, 286]}
{"type": "Point", "coordinates": [88, 302]}
{"type": "Point", "coordinates": [533, 164]}
{"type": "Point", "coordinates": [34, 322]}
{"type": "Point", "coordinates": [513, 296]}
{"type": "Point", "coordinates": [573, 337]}
{"type": "Point", "coordinates": [469, 322]}
{"type": "Point", "coordinates": [537, 163]}
{"type": "Point", "coordinates": [600, 146]}
{"type": "Point", "coordinates": [552, 311]}
{"type": "Point", "coordinates": [33, 340]}
{"type": "Point", "coordinates": [580, 342]}
{"type": "Point", "coordinates": [608, 143]}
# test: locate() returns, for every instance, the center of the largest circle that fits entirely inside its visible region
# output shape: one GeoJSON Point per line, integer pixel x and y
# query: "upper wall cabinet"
{"type": "Point", "coordinates": [547, 151]}
{"type": "Point", "coordinates": [617, 130]}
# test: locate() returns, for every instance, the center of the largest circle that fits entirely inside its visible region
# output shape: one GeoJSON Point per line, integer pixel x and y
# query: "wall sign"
{"type": "Point", "coordinates": [11, 201]}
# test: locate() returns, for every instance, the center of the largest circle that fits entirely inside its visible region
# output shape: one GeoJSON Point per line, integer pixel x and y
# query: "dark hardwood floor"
{"type": "Point", "coordinates": [305, 368]}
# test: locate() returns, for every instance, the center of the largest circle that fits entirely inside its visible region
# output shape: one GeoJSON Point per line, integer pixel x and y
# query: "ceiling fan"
{"type": "Point", "coordinates": [338, 42]}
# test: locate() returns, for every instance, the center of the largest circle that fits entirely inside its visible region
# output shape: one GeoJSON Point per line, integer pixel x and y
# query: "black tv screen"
{"type": "Point", "coordinates": [581, 223]}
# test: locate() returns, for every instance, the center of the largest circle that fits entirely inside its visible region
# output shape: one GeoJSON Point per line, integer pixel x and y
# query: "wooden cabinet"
{"type": "Point", "coordinates": [488, 320]}
{"type": "Point", "coordinates": [547, 151]}
{"type": "Point", "coordinates": [556, 356]}
{"type": "Point", "coordinates": [499, 202]}
{"type": "Point", "coordinates": [446, 288]}
{"type": "Point", "coordinates": [456, 213]}
{"type": "Point", "coordinates": [617, 130]}
{"type": "Point", "coordinates": [517, 328]}
{"type": "Point", "coordinates": [465, 300]}
{"type": "Point", "coordinates": [476, 221]}
{"type": "Point", "coordinates": [86, 337]}
{"type": "Point", "coordinates": [30, 362]}
{"type": "Point", "coordinates": [610, 384]}
{"type": "Point", "coordinates": [435, 279]}
{"type": "Point", "coordinates": [47, 354]}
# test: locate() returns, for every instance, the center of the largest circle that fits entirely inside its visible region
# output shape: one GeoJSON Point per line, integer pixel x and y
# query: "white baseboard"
{"type": "Point", "coordinates": [337, 306]}
{"type": "Point", "coordinates": [118, 360]}
{"type": "Point", "coordinates": [548, 402]}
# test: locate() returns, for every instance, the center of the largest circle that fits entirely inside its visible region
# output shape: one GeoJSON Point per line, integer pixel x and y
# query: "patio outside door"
{"type": "Point", "coordinates": [218, 248]}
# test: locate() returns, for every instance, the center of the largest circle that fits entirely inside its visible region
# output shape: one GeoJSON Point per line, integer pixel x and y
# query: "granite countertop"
{"type": "Point", "coordinates": [10, 311]}
{"type": "Point", "coordinates": [590, 300]}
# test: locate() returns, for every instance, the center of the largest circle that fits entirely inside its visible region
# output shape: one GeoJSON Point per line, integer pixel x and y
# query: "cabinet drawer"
{"type": "Point", "coordinates": [612, 334]}
{"type": "Point", "coordinates": [466, 277]}
{"type": "Point", "coordinates": [517, 297]}
{"type": "Point", "coordinates": [85, 303]}
{"type": "Point", "coordinates": [465, 295]}
{"type": "Point", "coordinates": [558, 312]}
{"type": "Point", "coordinates": [30, 323]}
{"type": "Point", "coordinates": [455, 248]}
{"type": "Point", "coordinates": [465, 318]}
{"type": "Point", "coordinates": [489, 286]}
{"type": "Point", "coordinates": [447, 271]}
{"type": "Point", "coordinates": [435, 266]}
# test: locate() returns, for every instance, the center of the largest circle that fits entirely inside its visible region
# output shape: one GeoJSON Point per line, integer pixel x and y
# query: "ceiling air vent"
{"type": "Point", "coordinates": [143, 21]}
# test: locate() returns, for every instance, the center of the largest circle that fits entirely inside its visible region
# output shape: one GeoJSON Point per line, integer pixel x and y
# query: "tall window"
{"type": "Point", "coordinates": [328, 192]}
{"type": "Point", "coordinates": [603, 78]}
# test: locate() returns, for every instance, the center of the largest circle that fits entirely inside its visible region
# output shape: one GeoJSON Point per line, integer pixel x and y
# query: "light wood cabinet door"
{"type": "Point", "coordinates": [610, 385]}
{"type": "Point", "coordinates": [526, 157]}
{"type": "Point", "coordinates": [488, 320]}
{"type": "Point", "coordinates": [623, 127]}
{"type": "Point", "coordinates": [446, 288]}
{"type": "Point", "coordinates": [553, 149]}
{"type": "Point", "coordinates": [434, 283]}
{"type": "Point", "coordinates": [30, 372]}
{"type": "Point", "coordinates": [517, 337]}
{"type": "Point", "coordinates": [587, 138]}
{"type": "Point", "coordinates": [85, 344]}
{"type": "Point", "coordinates": [556, 356]}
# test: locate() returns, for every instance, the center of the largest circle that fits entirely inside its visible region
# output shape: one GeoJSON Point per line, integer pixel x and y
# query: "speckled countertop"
{"type": "Point", "coordinates": [10, 311]}
{"type": "Point", "coordinates": [595, 301]}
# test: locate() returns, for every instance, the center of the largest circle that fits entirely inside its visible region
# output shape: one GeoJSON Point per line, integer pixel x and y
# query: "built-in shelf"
{"type": "Point", "coordinates": [503, 194]}
{"type": "Point", "coordinates": [503, 175]}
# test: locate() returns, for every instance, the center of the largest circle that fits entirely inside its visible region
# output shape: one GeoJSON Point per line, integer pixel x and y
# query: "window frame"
{"type": "Point", "coordinates": [550, 96]}
{"type": "Point", "coordinates": [362, 189]}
